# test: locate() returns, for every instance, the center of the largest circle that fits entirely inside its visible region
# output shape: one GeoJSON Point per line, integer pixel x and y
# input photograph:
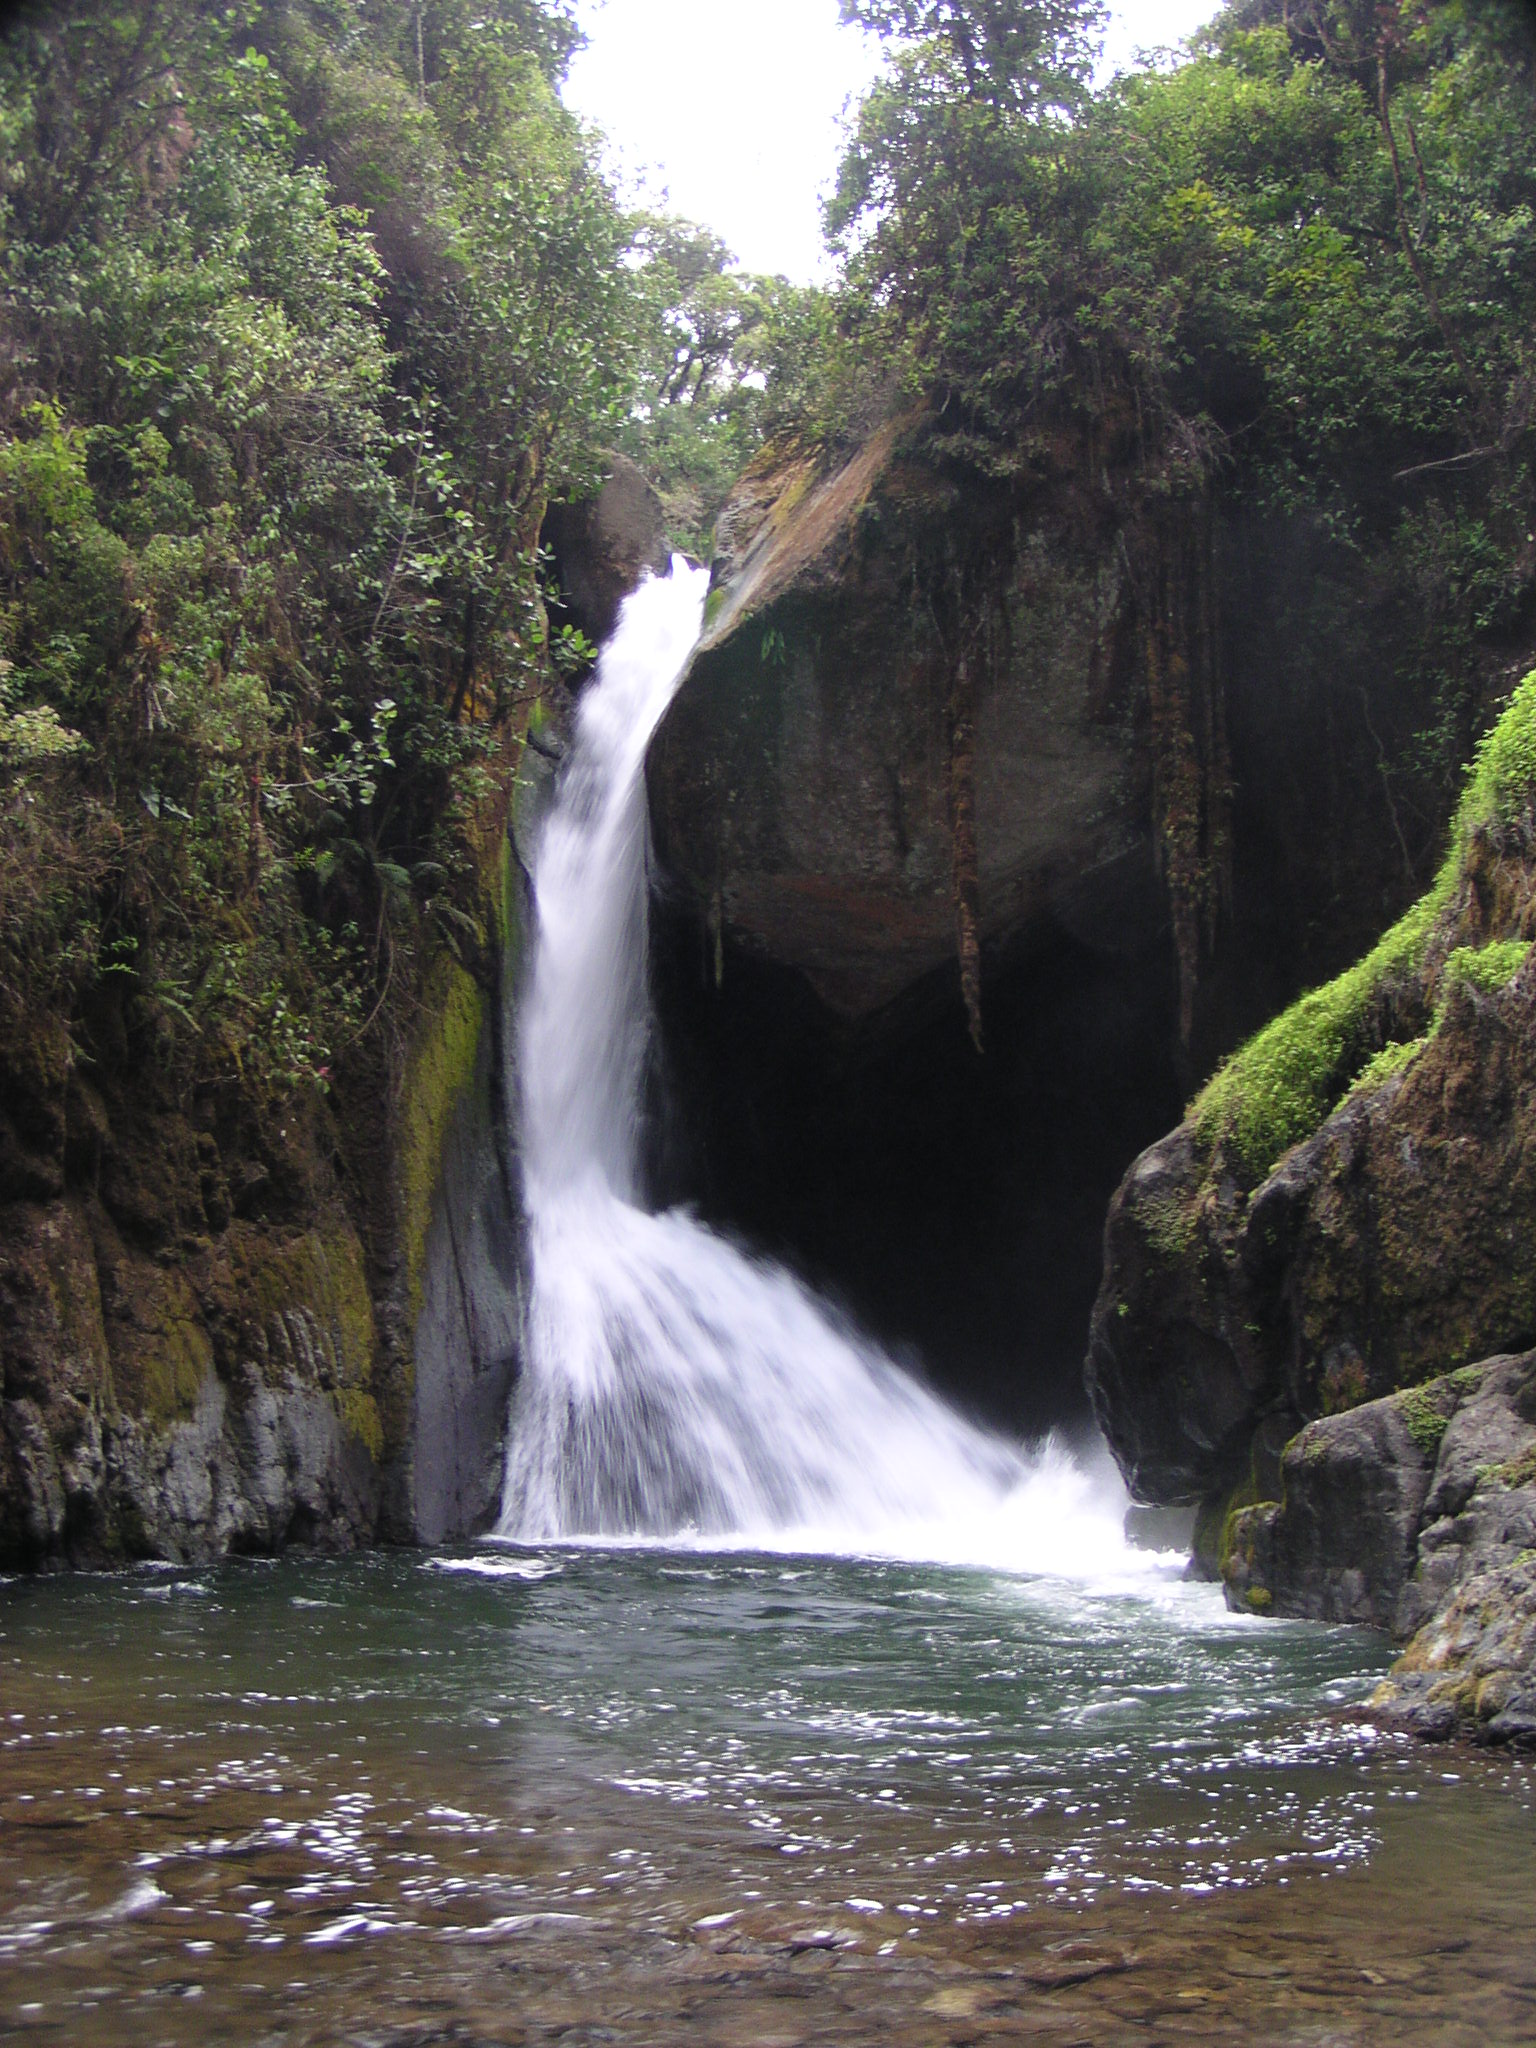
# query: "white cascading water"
{"type": "Point", "coordinates": [674, 1387]}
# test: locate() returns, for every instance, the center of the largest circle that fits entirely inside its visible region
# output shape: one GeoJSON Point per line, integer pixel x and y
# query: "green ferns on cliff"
{"type": "Point", "coordinates": [1279, 1087]}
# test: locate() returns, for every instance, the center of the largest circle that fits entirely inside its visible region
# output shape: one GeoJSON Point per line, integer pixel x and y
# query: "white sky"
{"type": "Point", "coordinates": [730, 112]}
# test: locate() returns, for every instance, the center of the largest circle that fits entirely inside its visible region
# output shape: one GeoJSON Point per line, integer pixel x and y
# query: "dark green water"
{"type": "Point", "coordinates": [627, 1796]}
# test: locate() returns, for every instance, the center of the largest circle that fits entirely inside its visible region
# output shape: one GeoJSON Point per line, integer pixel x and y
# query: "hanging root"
{"type": "Point", "coordinates": [962, 830]}
{"type": "Point", "coordinates": [1192, 788]}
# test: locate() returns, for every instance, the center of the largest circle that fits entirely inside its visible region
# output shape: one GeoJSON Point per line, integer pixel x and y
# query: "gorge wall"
{"type": "Point", "coordinates": [230, 1323]}
{"type": "Point", "coordinates": [1051, 760]}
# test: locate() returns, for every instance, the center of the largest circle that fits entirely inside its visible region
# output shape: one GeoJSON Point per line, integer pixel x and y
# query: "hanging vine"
{"type": "Point", "coordinates": [1191, 761]}
{"type": "Point", "coordinates": [964, 601]}
{"type": "Point", "coordinates": [966, 881]}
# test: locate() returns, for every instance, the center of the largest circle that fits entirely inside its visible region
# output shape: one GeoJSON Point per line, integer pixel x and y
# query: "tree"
{"type": "Point", "coordinates": [305, 310]}
{"type": "Point", "coordinates": [958, 152]}
{"type": "Point", "coordinates": [1028, 56]}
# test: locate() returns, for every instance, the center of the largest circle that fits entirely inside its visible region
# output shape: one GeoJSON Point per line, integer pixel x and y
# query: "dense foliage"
{"type": "Point", "coordinates": [1316, 224]}
{"type": "Point", "coordinates": [309, 307]}
{"type": "Point", "coordinates": [306, 310]}
{"type": "Point", "coordinates": [1293, 271]}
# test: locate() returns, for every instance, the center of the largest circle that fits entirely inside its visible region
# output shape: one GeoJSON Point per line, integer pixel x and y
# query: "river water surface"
{"type": "Point", "coordinates": [617, 1794]}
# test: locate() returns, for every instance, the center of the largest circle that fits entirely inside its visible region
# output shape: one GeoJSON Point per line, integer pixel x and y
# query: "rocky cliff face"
{"type": "Point", "coordinates": [1040, 756]}
{"type": "Point", "coordinates": [1349, 1211]}
{"type": "Point", "coordinates": [601, 547]}
{"type": "Point", "coordinates": [228, 1325]}
{"type": "Point", "coordinates": [225, 1326]}
{"type": "Point", "coordinates": [907, 711]}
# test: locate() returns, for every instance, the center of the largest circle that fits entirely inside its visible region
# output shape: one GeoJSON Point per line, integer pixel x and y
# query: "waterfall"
{"type": "Point", "coordinates": [673, 1386]}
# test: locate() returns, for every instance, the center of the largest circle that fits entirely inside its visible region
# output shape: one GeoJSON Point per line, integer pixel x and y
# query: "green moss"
{"type": "Point", "coordinates": [359, 1414]}
{"type": "Point", "coordinates": [1220, 1524]}
{"type": "Point", "coordinates": [1279, 1087]}
{"type": "Point", "coordinates": [322, 1272]}
{"type": "Point", "coordinates": [1518, 1471]}
{"type": "Point", "coordinates": [163, 1354]}
{"type": "Point", "coordinates": [183, 1361]}
{"type": "Point", "coordinates": [714, 604]}
{"type": "Point", "coordinates": [323, 1275]}
{"type": "Point", "coordinates": [440, 1069]}
{"type": "Point", "coordinates": [1485, 968]}
{"type": "Point", "coordinates": [504, 909]}
{"type": "Point", "coordinates": [1260, 1599]}
{"type": "Point", "coordinates": [1426, 1412]}
{"type": "Point", "coordinates": [1392, 1059]}
{"type": "Point", "coordinates": [1168, 1224]}
{"type": "Point", "coordinates": [1502, 781]}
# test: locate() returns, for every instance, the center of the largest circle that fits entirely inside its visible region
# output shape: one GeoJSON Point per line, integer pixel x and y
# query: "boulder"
{"type": "Point", "coordinates": [1399, 1238]}
{"type": "Point", "coordinates": [602, 546]}
{"type": "Point", "coordinates": [1415, 1514]}
{"type": "Point", "coordinates": [808, 783]}
{"type": "Point", "coordinates": [1349, 1206]}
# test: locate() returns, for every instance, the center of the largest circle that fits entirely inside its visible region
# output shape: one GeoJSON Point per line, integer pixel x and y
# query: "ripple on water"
{"type": "Point", "coordinates": [660, 1788]}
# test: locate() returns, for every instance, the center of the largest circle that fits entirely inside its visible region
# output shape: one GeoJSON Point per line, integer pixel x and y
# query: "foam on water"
{"type": "Point", "coordinates": [675, 1388]}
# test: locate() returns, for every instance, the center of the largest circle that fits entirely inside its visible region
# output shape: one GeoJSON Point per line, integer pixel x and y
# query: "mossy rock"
{"type": "Point", "coordinates": [1281, 1085]}
{"type": "Point", "coordinates": [1486, 969]}
{"type": "Point", "coordinates": [162, 1353]}
{"type": "Point", "coordinates": [307, 1315]}
{"type": "Point", "coordinates": [440, 1069]}
{"type": "Point", "coordinates": [1278, 1089]}
{"type": "Point", "coordinates": [1427, 1411]}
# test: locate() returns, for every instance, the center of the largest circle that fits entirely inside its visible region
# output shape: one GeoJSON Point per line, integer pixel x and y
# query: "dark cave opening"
{"type": "Point", "coordinates": [952, 1202]}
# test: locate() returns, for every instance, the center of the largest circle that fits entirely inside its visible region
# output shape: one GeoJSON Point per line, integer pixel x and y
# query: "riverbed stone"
{"type": "Point", "coordinates": [1340, 1544]}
